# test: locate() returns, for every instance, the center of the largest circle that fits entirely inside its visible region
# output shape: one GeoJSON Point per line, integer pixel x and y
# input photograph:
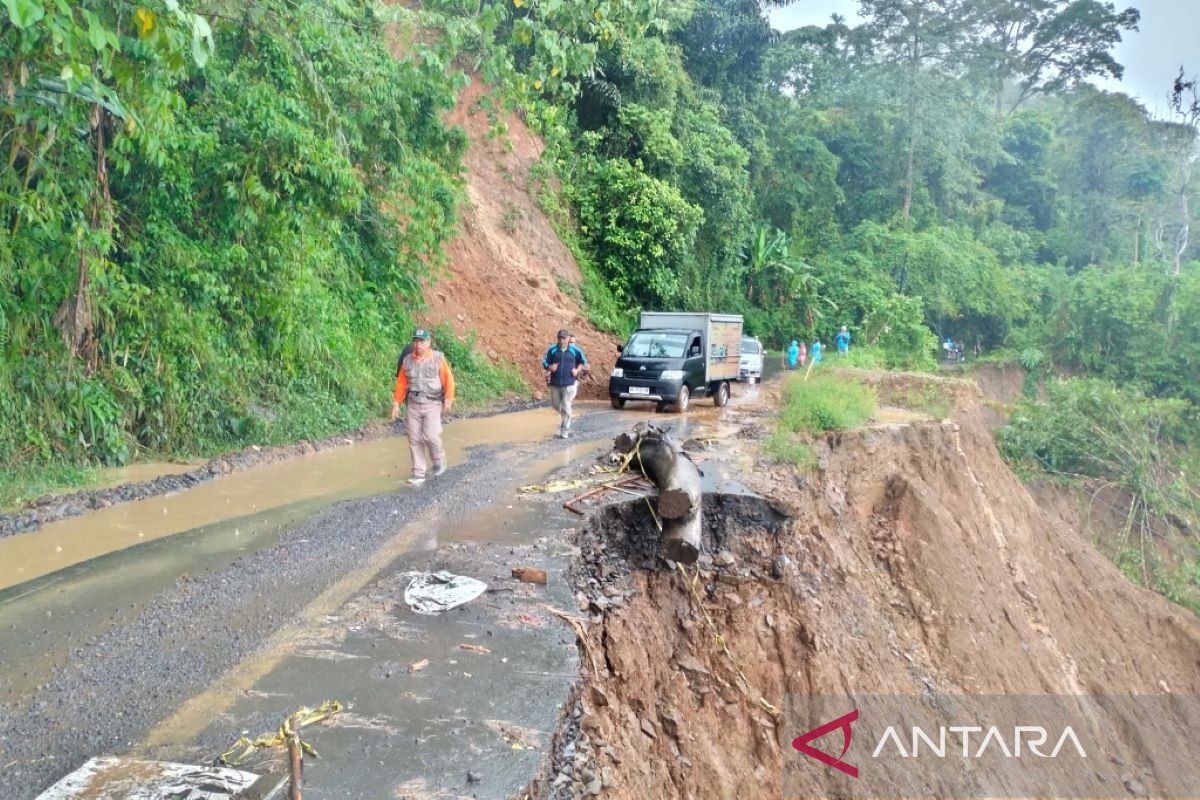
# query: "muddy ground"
{"type": "Point", "coordinates": [911, 562]}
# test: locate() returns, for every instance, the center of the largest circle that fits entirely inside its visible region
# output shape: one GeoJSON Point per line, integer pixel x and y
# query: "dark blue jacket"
{"type": "Point", "coordinates": [563, 362]}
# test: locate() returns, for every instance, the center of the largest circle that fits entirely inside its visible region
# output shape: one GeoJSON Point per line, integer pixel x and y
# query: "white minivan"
{"type": "Point", "coordinates": [751, 366]}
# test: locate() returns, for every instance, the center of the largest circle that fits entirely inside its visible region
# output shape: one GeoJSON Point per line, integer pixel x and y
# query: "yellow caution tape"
{"type": "Point", "coordinates": [719, 640]}
{"type": "Point", "coordinates": [305, 716]}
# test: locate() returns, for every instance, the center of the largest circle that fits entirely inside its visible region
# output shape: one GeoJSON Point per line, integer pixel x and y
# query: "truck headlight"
{"type": "Point", "coordinates": [672, 375]}
{"type": "Point", "coordinates": [618, 372]}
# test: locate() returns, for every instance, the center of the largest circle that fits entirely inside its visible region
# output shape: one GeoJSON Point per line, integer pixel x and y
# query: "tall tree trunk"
{"type": "Point", "coordinates": [74, 317]}
{"type": "Point", "coordinates": [908, 173]}
{"type": "Point", "coordinates": [910, 155]}
{"type": "Point", "coordinates": [1181, 240]}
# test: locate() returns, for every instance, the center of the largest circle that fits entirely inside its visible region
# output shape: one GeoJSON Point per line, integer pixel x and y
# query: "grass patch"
{"type": "Point", "coordinates": [789, 448]}
{"type": "Point", "coordinates": [824, 402]}
{"type": "Point", "coordinates": [821, 403]}
{"type": "Point", "coordinates": [21, 485]}
{"type": "Point", "coordinates": [928, 398]}
{"type": "Point", "coordinates": [859, 358]}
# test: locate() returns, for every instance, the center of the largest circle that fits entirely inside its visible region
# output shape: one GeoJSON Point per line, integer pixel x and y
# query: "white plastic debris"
{"type": "Point", "coordinates": [111, 778]}
{"type": "Point", "coordinates": [432, 592]}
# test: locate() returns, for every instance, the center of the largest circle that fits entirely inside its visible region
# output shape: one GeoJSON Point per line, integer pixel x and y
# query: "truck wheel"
{"type": "Point", "coordinates": [617, 402]}
{"type": "Point", "coordinates": [685, 396]}
{"type": "Point", "coordinates": [721, 398]}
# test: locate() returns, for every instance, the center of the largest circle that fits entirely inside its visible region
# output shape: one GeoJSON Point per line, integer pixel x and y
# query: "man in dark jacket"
{"type": "Point", "coordinates": [563, 363]}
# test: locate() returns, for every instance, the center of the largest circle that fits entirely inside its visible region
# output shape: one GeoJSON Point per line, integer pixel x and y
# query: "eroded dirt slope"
{"type": "Point", "coordinates": [508, 268]}
{"type": "Point", "coordinates": [912, 561]}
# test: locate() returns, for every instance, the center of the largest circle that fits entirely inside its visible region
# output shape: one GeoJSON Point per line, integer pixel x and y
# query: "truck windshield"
{"type": "Point", "coordinates": [750, 346]}
{"type": "Point", "coordinates": [653, 344]}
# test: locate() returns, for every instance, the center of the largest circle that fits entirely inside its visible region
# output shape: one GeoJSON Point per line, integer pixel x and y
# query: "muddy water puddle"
{"type": "Point", "coordinates": [328, 476]}
{"type": "Point", "coordinates": [137, 473]}
{"type": "Point", "coordinates": [41, 620]}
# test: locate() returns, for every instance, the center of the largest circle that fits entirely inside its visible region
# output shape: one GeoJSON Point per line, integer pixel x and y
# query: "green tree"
{"type": "Point", "coordinates": [640, 230]}
{"type": "Point", "coordinates": [1048, 45]}
{"type": "Point", "coordinates": [920, 40]}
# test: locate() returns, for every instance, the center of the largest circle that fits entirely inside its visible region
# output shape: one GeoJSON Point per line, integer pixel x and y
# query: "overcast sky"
{"type": "Point", "coordinates": [1169, 35]}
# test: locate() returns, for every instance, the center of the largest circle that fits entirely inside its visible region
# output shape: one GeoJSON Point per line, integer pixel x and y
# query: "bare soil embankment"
{"type": "Point", "coordinates": [511, 280]}
{"type": "Point", "coordinates": [912, 561]}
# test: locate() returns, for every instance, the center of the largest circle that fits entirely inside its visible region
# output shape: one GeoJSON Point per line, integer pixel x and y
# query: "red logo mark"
{"type": "Point", "coordinates": [801, 743]}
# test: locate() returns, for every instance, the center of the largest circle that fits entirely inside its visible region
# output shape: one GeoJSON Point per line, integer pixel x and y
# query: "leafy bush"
{"type": "Point", "coordinates": [1093, 429]}
{"type": "Point", "coordinates": [639, 229]}
{"type": "Point", "coordinates": [1090, 427]}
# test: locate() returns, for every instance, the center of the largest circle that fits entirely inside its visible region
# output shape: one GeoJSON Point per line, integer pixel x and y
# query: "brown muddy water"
{"type": "Point", "coordinates": [136, 473]}
{"type": "Point", "coordinates": [340, 473]}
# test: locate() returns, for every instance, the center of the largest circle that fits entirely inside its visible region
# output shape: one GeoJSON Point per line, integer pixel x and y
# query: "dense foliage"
{"type": "Point", "coordinates": [943, 167]}
{"type": "Point", "coordinates": [211, 232]}
{"type": "Point", "coordinates": [1142, 450]}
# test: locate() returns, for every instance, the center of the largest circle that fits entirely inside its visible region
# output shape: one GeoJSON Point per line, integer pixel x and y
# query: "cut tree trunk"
{"type": "Point", "coordinates": [660, 459]}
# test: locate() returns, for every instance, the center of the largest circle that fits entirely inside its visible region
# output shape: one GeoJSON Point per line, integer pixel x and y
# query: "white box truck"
{"type": "Point", "coordinates": [674, 357]}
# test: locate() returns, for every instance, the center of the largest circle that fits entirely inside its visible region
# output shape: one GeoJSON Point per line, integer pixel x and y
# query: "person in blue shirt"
{"type": "Point", "coordinates": [816, 351]}
{"type": "Point", "coordinates": [842, 340]}
{"type": "Point", "coordinates": [793, 355]}
{"type": "Point", "coordinates": [563, 363]}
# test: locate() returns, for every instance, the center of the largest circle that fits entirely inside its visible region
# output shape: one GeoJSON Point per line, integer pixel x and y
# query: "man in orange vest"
{"type": "Point", "coordinates": [426, 384]}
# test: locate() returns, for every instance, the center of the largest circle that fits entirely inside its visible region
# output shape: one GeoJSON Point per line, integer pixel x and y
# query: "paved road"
{"type": "Point", "coordinates": [315, 615]}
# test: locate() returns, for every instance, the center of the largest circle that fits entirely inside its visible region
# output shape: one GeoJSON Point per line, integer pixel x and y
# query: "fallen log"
{"type": "Point", "coordinates": [656, 455]}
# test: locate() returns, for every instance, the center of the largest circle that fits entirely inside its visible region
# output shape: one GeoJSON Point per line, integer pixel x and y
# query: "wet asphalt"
{"type": "Point", "coordinates": [148, 658]}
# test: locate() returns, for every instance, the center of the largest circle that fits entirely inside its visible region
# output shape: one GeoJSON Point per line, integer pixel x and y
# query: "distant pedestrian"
{"type": "Point", "coordinates": [793, 354]}
{"type": "Point", "coordinates": [803, 353]}
{"type": "Point", "coordinates": [816, 351]}
{"type": "Point", "coordinates": [426, 385]}
{"type": "Point", "coordinates": [978, 350]}
{"type": "Point", "coordinates": [563, 364]}
{"type": "Point", "coordinates": [842, 340]}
